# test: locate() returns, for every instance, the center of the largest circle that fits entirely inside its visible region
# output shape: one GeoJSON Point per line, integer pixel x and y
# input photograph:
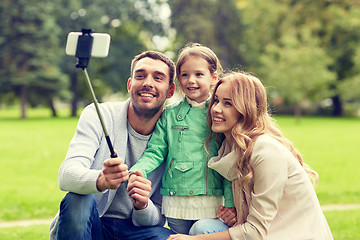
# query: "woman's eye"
{"type": "Point", "coordinates": [228, 104]}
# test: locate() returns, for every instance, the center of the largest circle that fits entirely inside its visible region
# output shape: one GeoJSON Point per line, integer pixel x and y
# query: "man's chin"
{"type": "Point", "coordinates": [147, 110]}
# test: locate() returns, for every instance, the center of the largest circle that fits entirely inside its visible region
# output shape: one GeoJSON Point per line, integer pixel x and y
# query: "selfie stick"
{"type": "Point", "coordinates": [83, 53]}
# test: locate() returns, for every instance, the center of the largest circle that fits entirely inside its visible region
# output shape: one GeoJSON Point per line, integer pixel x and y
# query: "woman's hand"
{"type": "Point", "coordinates": [182, 237]}
{"type": "Point", "coordinates": [228, 215]}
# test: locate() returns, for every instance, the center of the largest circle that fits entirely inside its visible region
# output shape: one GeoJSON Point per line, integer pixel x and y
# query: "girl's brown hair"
{"type": "Point", "coordinates": [196, 49]}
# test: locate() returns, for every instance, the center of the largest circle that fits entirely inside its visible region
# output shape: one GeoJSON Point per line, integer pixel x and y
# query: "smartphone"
{"type": "Point", "coordinates": [100, 47]}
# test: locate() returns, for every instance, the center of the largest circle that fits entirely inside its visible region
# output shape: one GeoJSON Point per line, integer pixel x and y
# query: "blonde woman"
{"type": "Point", "coordinates": [273, 193]}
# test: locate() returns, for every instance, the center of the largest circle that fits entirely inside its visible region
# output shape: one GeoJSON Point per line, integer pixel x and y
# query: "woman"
{"type": "Point", "coordinates": [273, 194]}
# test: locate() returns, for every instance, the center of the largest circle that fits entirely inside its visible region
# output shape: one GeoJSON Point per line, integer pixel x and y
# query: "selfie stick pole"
{"type": "Point", "coordinates": [83, 53]}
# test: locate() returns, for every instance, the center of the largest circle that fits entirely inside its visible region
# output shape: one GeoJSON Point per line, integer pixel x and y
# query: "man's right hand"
{"type": "Point", "coordinates": [113, 174]}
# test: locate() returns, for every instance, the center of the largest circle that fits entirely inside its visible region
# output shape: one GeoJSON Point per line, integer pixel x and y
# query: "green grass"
{"type": "Point", "coordinates": [32, 150]}
{"type": "Point", "coordinates": [31, 153]}
{"type": "Point", "coordinates": [36, 232]}
{"type": "Point", "coordinates": [329, 146]}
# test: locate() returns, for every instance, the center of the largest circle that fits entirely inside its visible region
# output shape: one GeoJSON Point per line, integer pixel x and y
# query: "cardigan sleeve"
{"type": "Point", "coordinates": [75, 173]}
{"type": "Point", "coordinates": [269, 164]}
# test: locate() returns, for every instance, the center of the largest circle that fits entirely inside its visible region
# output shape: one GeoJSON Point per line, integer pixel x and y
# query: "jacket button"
{"type": "Point", "coordinates": [180, 116]}
{"type": "Point", "coordinates": [191, 192]}
{"type": "Point", "coordinates": [182, 167]}
{"type": "Point", "coordinates": [172, 193]}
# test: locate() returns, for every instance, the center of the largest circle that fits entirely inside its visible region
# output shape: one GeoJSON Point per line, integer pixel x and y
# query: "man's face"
{"type": "Point", "coordinates": [149, 86]}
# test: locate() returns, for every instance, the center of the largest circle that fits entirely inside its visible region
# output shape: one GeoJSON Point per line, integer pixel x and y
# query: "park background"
{"type": "Point", "coordinates": [307, 53]}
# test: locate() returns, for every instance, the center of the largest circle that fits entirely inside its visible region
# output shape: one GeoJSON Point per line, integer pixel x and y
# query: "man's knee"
{"type": "Point", "coordinates": [76, 207]}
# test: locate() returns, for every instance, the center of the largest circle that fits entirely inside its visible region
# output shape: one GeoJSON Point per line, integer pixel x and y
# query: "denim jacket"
{"type": "Point", "coordinates": [179, 138]}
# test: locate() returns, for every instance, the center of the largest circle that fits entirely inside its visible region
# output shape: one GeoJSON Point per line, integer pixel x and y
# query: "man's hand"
{"type": "Point", "coordinates": [139, 189]}
{"type": "Point", "coordinates": [228, 215]}
{"type": "Point", "coordinates": [113, 174]}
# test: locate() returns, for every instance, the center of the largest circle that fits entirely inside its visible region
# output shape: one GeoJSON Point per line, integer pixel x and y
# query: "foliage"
{"type": "Point", "coordinates": [216, 24]}
{"type": "Point", "coordinates": [28, 51]}
{"type": "Point", "coordinates": [312, 42]}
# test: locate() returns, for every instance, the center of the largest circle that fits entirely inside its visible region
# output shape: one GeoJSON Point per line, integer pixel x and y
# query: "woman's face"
{"type": "Point", "coordinates": [224, 115]}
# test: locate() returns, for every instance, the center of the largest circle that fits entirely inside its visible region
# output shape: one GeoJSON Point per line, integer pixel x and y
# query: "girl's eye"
{"type": "Point", "coordinates": [184, 75]}
{"type": "Point", "coordinates": [216, 100]}
{"type": "Point", "coordinates": [199, 74]}
{"type": "Point", "coordinates": [228, 104]}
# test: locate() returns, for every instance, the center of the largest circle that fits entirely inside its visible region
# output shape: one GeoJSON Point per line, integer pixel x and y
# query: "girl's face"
{"type": "Point", "coordinates": [224, 115]}
{"type": "Point", "coordinates": [195, 78]}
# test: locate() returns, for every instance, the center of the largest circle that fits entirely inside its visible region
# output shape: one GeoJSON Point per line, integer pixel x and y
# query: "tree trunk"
{"type": "Point", "coordinates": [23, 99]}
{"type": "Point", "coordinates": [297, 112]}
{"type": "Point", "coordinates": [74, 90]}
{"type": "Point", "coordinates": [337, 106]}
{"type": "Point", "coordinates": [52, 107]}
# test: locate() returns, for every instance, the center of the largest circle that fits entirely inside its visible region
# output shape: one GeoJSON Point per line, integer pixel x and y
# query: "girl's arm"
{"type": "Point", "coordinates": [156, 151]}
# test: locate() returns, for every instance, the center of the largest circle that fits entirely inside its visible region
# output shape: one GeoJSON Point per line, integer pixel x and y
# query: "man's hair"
{"type": "Point", "coordinates": [156, 56]}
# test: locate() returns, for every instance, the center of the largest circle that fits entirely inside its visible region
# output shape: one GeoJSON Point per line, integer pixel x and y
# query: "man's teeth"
{"type": "Point", "coordinates": [146, 95]}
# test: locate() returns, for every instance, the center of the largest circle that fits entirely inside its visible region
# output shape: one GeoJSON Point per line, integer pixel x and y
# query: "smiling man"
{"type": "Point", "coordinates": [98, 205]}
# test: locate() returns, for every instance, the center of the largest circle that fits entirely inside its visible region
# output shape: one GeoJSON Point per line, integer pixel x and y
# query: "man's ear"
{"type": "Point", "coordinates": [129, 84]}
{"type": "Point", "coordinates": [171, 91]}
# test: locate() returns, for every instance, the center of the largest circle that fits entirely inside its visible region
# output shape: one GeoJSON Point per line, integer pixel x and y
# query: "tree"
{"type": "Point", "coordinates": [132, 26]}
{"type": "Point", "coordinates": [216, 24]}
{"type": "Point", "coordinates": [28, 51]}
{"type": "Point", "coordinates": [326, 30]}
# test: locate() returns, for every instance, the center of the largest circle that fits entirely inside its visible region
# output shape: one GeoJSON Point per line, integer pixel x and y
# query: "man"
{"type": "Point", "coordinates": [99, 204]}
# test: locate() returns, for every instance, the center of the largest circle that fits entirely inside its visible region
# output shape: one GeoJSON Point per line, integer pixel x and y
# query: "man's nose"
{"type": "Point", "coordinates": [148, 81]}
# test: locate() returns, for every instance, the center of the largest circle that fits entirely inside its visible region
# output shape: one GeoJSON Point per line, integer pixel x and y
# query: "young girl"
{"type": "Point", "coordinates": [273, 194]}
{"type": "Point", "coordinates": [190, 190]}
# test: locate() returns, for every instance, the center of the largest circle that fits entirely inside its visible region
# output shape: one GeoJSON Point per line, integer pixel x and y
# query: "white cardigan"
{"type": "Point", "coordinates": [281, 204]}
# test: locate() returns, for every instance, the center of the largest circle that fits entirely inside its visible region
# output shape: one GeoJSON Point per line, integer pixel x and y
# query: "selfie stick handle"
{"type": "Point", "coordinates": [112, 152]}
{"type": "Point", "coordinates": [83, 53]}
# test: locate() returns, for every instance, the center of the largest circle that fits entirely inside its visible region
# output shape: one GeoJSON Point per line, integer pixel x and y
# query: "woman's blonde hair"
{"type": "Point", "coordinates": [249, 98]}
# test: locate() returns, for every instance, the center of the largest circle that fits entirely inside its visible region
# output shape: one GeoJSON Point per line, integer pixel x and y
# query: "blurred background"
{"type": "Point", "coordinates": [307, 53]}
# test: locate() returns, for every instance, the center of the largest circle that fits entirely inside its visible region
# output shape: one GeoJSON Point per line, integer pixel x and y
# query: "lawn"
{"type": "Point", "coordinates": [32, 150]}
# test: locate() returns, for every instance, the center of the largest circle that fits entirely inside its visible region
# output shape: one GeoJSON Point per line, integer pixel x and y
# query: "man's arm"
{"type": "Point", "coordinates": [83, 169]}
{"type": "Point", "coordinates": [146, 213]}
